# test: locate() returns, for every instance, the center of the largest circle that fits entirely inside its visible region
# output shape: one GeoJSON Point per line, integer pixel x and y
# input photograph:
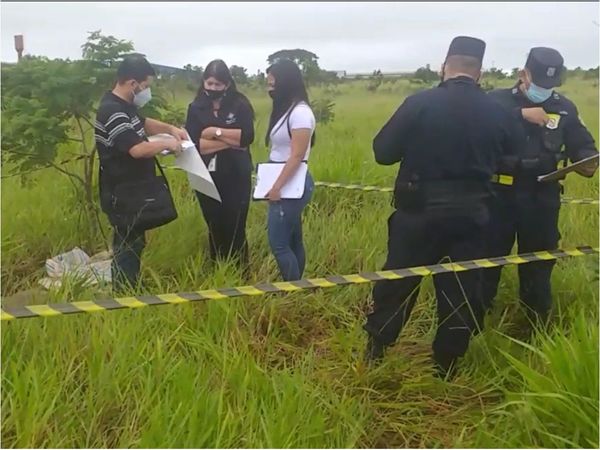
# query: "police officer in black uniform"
{"type": "Point", "coordinates": [448, 140]}
{"type": "Point", "coordinates": [550, 131]}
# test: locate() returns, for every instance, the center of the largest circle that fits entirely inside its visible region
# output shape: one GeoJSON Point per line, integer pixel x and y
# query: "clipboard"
{"type": "Point", "coordinates": [267, 174]}
{"type": "Point", "coordinates": [560, 173]}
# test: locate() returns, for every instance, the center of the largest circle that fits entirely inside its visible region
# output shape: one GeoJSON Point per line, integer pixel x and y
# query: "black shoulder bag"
{"type": "Point", "coordinates": [142, 204]}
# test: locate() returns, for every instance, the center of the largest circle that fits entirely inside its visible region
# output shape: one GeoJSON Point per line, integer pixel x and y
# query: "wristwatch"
{"type": "Point", "coordinates": [218, 133]}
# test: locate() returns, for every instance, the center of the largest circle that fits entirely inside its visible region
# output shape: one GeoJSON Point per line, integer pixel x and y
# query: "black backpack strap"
{"type": "Point", "coordinates": [286, 118]}
{"type": "Point", "coordinates": [162, 172]}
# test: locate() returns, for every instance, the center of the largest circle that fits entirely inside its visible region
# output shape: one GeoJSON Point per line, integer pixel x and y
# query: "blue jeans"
{"type": "Point", "coordinates": [284, 228]}
{"type": "Point", "coordinates": [128, 245]}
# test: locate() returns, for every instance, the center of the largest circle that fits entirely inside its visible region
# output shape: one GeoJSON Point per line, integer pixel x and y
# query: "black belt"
{"type": "Point", "coordinates": [417, 195]}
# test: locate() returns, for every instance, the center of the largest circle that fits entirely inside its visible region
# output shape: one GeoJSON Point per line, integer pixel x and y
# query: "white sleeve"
{"type": "Point", "coordinates": [302, 117]}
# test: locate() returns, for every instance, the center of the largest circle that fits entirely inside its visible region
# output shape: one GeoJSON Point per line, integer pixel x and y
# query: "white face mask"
{"type": "Point", "coordinates": [142, 97]}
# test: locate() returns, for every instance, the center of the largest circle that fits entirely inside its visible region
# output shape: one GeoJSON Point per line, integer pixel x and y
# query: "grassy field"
{"type": "Point", "coordinates": [286, 370]}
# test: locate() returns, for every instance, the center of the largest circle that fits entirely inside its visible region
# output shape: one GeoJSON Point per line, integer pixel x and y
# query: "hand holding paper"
{"type": "Point", "coordinates": [189, 160]}
{"type": "Point", "coordinates": [180, 133]}
{"type": "Point", "coordinates": [171, 150]}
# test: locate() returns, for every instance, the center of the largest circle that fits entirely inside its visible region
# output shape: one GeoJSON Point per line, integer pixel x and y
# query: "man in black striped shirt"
{"type": "Point", "coordinates": [125, 154]}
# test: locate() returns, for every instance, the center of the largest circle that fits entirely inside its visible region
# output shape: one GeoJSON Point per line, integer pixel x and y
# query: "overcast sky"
{"type": "Point", "coordinates": [357, 37]}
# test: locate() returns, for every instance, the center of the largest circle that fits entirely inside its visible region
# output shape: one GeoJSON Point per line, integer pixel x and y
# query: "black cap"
{"type": "Point", "coordinates": [546, 66]}
{"type": "Point", "coordinates": [467, 46]}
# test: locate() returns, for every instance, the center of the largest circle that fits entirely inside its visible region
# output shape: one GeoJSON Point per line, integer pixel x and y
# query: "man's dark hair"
{"type": "Point", "coordinates": [134, 68]}
{"type": "Point", "coordinates": [463, 63]}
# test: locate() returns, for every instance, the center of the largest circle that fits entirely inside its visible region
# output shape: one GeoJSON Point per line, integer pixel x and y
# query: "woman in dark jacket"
{"type": "Point", "coordinates": [220, 121]}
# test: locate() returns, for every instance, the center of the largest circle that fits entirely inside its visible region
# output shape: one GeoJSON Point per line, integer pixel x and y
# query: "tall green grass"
{"type": "Point", "coordinates": [286, 370]}
{"type": "Point", "coordinates": [552, 391]}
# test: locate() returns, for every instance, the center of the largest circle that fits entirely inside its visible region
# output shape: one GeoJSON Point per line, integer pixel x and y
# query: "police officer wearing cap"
{"type": "Point", "coordinates": [550, 132]}
{"type": "Point", "coordinates": [448, 140]}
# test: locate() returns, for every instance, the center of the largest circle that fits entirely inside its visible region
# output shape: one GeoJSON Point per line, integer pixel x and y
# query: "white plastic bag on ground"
{"type": "Point", "coordinates": [76, 264]}
{"type": "Point", "coordinates": [73, 262]}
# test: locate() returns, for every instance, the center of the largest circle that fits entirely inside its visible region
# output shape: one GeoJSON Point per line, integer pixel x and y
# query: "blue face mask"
{"type": "Point", "coordinates": [538, 94]}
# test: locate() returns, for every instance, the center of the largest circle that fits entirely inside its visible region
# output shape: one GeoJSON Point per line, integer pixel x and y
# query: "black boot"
{"type": "Point", "coordinates": [375, 351]}
{"type": "Point", "coordinates": [445, 367]}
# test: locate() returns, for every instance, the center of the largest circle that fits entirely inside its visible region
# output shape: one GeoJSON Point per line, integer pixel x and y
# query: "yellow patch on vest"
{"type": "Point", "coordinates": [553, 120]}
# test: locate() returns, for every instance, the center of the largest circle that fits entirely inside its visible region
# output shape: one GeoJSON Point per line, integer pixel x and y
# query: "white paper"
{"type": "Point", "coordinates": [560, 173]}
{"type": "Point", "coordinates": [267, 174]}
{"type": "Point", "coordinates": [190, 161]}
{"type": "Point", "coordinates": [200, 180]}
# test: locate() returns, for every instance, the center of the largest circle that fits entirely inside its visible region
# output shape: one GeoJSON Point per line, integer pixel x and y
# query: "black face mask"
{"type": "Point", "coordinates": [272, 94]}
{"type": "Point", "coordinates": [214, 95]}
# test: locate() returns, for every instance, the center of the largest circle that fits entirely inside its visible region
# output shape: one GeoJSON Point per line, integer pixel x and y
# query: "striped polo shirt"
{"type": "Point", "coordinates": [119, 127]}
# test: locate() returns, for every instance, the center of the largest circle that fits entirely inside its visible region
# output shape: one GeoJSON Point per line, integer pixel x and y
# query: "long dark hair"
{"type": "Point", "coordinates": [290, 91]}
{"type": "Point", "coordinates": [219, 70]}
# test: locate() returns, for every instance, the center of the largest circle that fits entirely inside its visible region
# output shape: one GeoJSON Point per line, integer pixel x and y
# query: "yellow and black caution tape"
{"type": "Point", "coordinates": [359, 187]}
{"type": "Point", "coordinates": [354, 187]}
{"type": "Point", "coordinates": [579, 201]}
{"type": "Point", "coordinates": [368, 188]}
{"type": "Point", "coordinates": [140, 301]}
{"type": "Point", "coordinates": [350, 187]}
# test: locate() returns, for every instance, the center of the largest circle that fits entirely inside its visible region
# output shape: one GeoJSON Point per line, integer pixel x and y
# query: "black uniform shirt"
{"type": "Point", "coordinates": [543, 147]}
{"type": "Point", "coordinates": [451, 132]}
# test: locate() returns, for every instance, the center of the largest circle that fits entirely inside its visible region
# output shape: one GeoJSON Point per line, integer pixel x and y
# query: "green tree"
{"type": "Point", "coordinates": [578, 71]}
{"type": "Point", "coordinates": [323, 110]}
{"type": "Point", "coordinates": [106, 50]}
{"type": "Point", "coordinates": [375, 80]}
{"type": "Point", "coordinates": [307, 61]}
{"type": "Point", "coordinates": [47, 104]}
{"type": "Point", "coordinates": [301, 57]}
{"type": "Point", "coordinates": [591, 73]}
{"type": "Point", "coordinates": [258, 80]}
{"type": "Point", "coordinates": [239, 74]}
{"type": "Point", "coordinates": [426, 75]}
{"type": "Point", "coordinates": [329, 77]}
{"type": "Point", "coordinates": [495, 73]}
{"type": "Point", "coordinates": [193, 74]}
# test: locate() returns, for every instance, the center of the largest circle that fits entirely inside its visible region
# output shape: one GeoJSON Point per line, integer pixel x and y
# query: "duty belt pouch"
{"type": "Point", "coordinates": [508, 165]}
{"type": "Point", "coordinates": [553, 140]}
{"type": "Point", "coordinates": [409, 197]}
{"type": "Point", "coordinates": [142, 204]}
{"type": "Point", "coordinates": [530, 164]}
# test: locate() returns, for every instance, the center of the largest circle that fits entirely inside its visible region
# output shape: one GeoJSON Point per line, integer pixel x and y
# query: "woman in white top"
{"type": "Point", "coordinates": [291, 136]}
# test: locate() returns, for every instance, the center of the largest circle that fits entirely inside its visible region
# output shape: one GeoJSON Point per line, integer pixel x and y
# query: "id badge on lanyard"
{"type": "Point", "coordinates": [212, 165]}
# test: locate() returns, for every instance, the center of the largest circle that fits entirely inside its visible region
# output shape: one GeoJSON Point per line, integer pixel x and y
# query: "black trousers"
{"type": "Point", "coordinates": [227, 220]}
{"type": "Point", "coordinates": [430, 237]}
{"type": "Point", "coordinates": [531, 217]}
